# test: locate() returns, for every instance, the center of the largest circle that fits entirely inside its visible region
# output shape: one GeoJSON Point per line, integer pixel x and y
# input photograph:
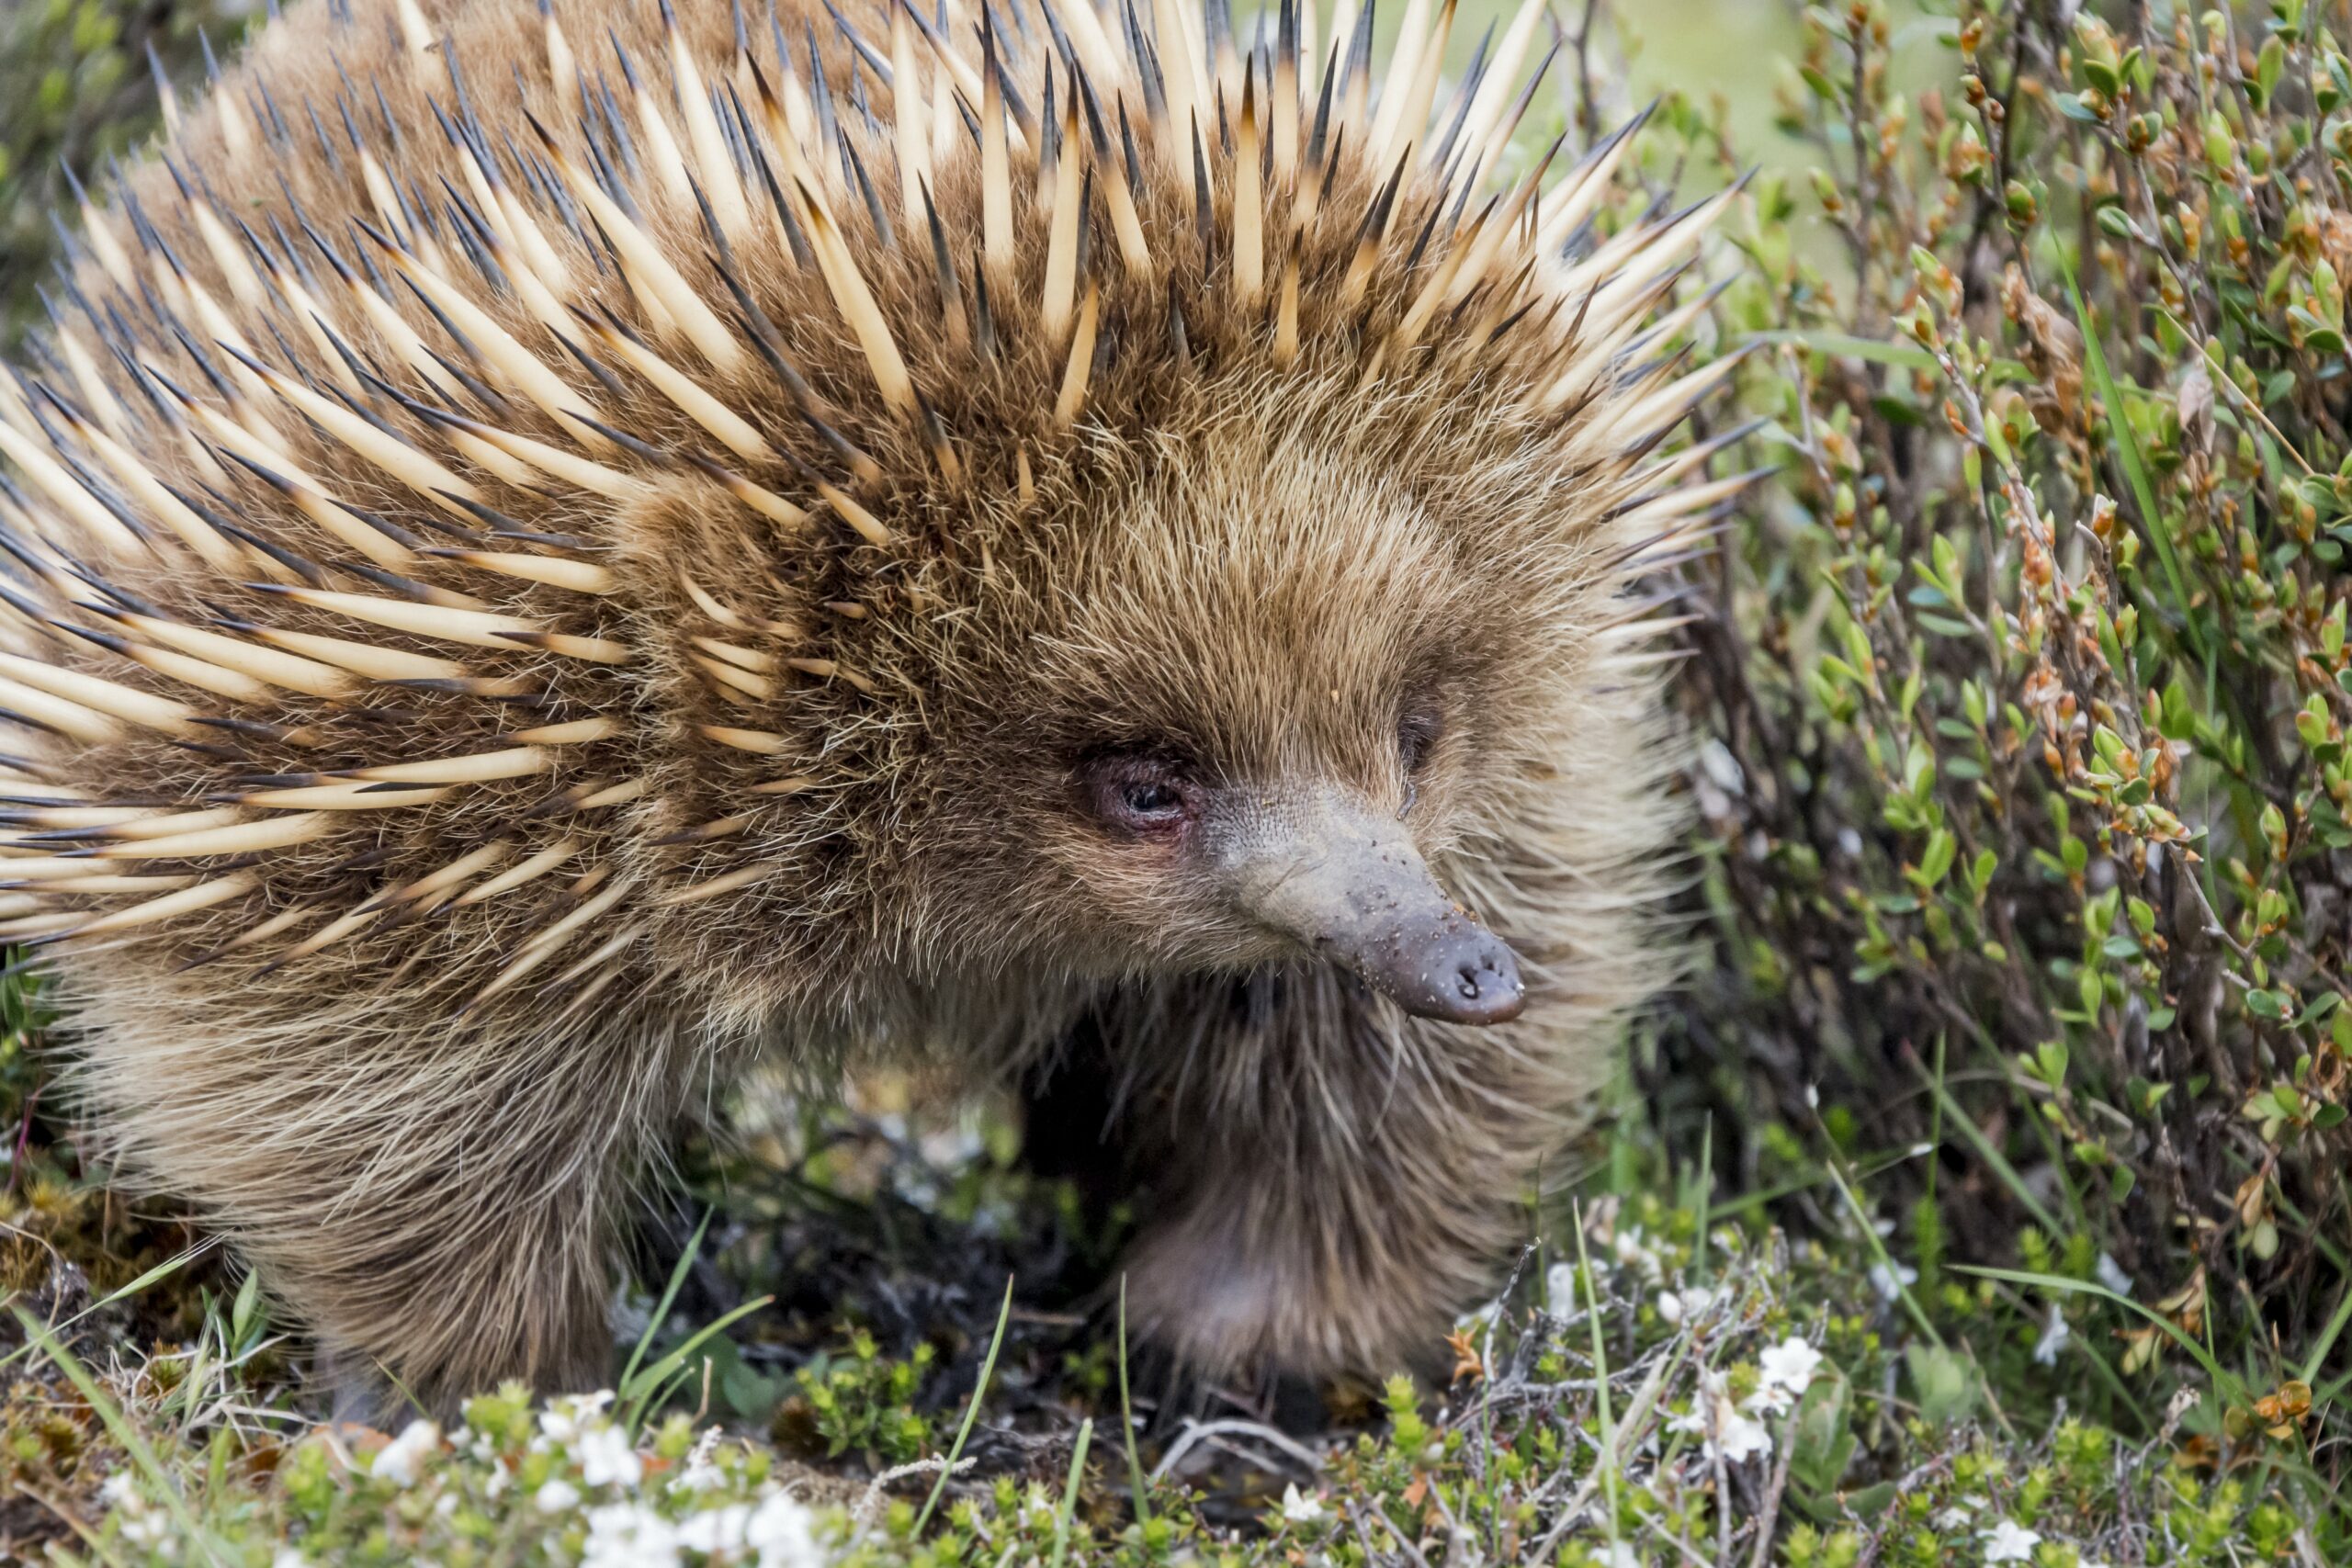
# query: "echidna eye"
{"type": "Point", "coordinates": [1136, 790]}
{"type": "Point", "coordinates": [1151, 799]}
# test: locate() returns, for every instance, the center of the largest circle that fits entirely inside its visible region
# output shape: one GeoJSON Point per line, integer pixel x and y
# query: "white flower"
{"type": "Point", "coordinates": [1299, 1510]}
{"type": "Point", "coordinates": [779, 1531]}
{"type": "Point", "coordinates": [1741, 1438]}
{"type": "Point", "coordinates": [628, 1535]}
{"type": "Point", "coordinates": [607, 1458]}
{"type": "Point", "coordinates": [397, 1461]}
{"type": "Point", "coordinates": [1728, 1432]}
{"type": "Point", "coordinates": [698, 1473]}
{"type": "Point", "coordinates": [1689, 1302]}
{"type": "Point", "coordinates": [1891, 1286]}
{"type": "Point", "coordinates": [1955, 1518]}
{"type": "Point", "coordinates": [1722, 769]}
{"type": "Point", "coordinates": [716, 1529]}
{"type": "Point", "coordinates": [1769, 1399]}
{"type": "Point", "coordinates": [1619, 1555]}
{"type": "Point", "coordinates": [2010, 1541]}
{"type": "Point", "coordinates": [566, 1418]}
{"type": "Point", "coordinates": [2054, 1335]}
{"type": "Point", "coordinates": [555, 1498]}
{"type": "Point", "coordinates": [288, 1557]}
{"type": "Point", "coordinates": [148, 1530]}
{"type": "Point", "coordinates": [142, 1526]}
{"type": "Point", "coordinates": [2111, 1274]}
{"type": "Point", "coordinates": [1560, 1290]}
{"type": "Point", "coordinates": [1789, 1365]}
{"type": "Point", "coordinates": [1633, 1249]}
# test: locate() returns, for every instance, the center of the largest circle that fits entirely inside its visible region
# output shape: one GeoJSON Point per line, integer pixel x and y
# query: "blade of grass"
{"type": "Point", "coordinates": [638, 1393]}
{"type": "Point", "coordinates": [1601, 1383]}
{"type": "Point", "coordinates": [88, 1537]}
{"type": "Point", "coordinates": [2327, 1337]}
{"type": "Point", "coordinates": [1750, 1203]}
{"type": "Point", "coordinates": [2311, 1232]}
{"type": "Point", "coordinates": [2322, 1397]}
{"type": "Point", "coordinates": [1706, 1197]}
{"type": "Point", "coordinates": [2112, 1379]}
{"type": "Point", "coordinates": [669, 1295]}
{"type": "Point", "coordinates": [2227, 1383]}
{"type": "Point", "coordinates": [1935, 1117]}
{"type": "Point", "coordinates": [971, 1412]}
{"type": "Point", "coordinates": [1886, 1261]}
{"type": "Point", "coordinates": [1127, 1414]}
{"type": "Point", "coordinates": [1932, 1260]}
{"type": "Point", "coordinates": [1638, 1418]}
{"type": "Point", "coordinates": [121, 1430]}
{"type": "Point", "coordinates": [2054, 1155]}
{"type": "Point", "coordinates": [399, 1387]}
{"type": "Point", "coordinates": [1068, 1509]}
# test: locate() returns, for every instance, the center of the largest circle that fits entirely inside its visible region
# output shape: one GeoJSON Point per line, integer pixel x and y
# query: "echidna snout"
{"type": "Point", "coordinates": [1321, 868]}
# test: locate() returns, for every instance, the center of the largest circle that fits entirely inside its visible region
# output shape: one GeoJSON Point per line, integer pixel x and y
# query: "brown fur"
{"type": "Point", "coordinates": [428, 1156]}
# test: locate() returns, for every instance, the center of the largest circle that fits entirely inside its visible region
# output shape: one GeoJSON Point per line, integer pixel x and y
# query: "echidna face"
{"type": "Point", "coordinates": [1253, 708]}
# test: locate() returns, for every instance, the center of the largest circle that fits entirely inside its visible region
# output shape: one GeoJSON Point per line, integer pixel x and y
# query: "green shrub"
{"type": "Point", "coordinates": [860, 1399]}
{"type": "Point", "coordinates": [2026, 786]}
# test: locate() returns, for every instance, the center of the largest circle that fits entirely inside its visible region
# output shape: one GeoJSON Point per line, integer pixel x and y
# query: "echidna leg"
{"type": "Point", "coordinates": [437, 1198]}
{"type": "Point", "coordinates": [1336, 1181]}
{"type": "Point", "coordinates": [439, 1289]}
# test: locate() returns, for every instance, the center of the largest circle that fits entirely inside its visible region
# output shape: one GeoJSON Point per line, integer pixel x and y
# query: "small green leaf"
{"type": "Point", "coordinates": [1821, 1444]}
{"type": "Point", "coordinates": [1944, 1384]}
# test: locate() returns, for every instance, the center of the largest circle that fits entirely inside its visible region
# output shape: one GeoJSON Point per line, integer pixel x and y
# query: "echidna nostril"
{"type": "Point", "coordinates": [1470, 981]}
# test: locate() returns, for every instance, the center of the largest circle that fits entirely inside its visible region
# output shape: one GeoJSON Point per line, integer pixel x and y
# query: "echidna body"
{"type": "Point", "coordinates": [556, 551]}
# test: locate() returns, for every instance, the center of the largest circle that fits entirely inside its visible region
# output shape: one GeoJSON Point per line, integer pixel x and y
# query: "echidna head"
{"type": "Point", "coordinates": [1257, 690]}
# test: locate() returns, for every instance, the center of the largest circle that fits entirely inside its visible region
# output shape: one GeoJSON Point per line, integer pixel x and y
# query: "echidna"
{"type": "Point", "coordinates": [556, 550]}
